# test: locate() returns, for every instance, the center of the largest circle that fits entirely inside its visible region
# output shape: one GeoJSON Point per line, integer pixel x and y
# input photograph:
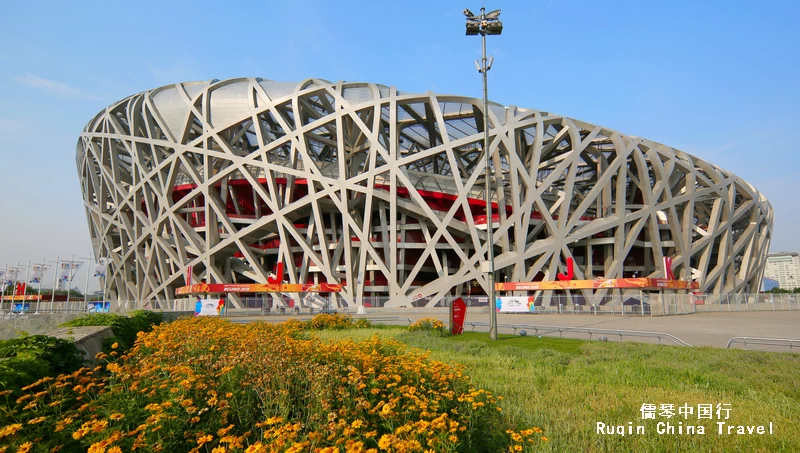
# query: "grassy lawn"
{"type": "Point", "coordinates": [566, 387]}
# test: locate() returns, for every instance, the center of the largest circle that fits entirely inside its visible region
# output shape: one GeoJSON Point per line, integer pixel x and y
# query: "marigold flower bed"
{"type": "Point", "coordinates": [205, 384]}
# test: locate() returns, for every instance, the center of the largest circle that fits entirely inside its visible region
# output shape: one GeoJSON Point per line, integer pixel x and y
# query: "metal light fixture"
{"type": "Point", "coordinates": [487, 24]}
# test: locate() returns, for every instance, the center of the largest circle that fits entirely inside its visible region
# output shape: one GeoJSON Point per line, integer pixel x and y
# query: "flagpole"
{"type": "Point", "coordinates": [88, 268]}
{"type": "Point", "coordinates": [69, 281]}
{"type": "Point", "coordinates": [55, 282]}
{"type": "Point", "coordinates": [39, 299]}
{"type": "Point", "coordinates": [25, 287]}
{"type": "Point", "coordinates": [3, 287]}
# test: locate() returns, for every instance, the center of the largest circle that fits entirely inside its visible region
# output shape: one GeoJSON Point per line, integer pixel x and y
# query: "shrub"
{"type": "Point", "coordinates": [331, 321]}
{"type": "Point", "coordinates": [24, 360]}
{"type": "Point", "coordinates": [207, 384]}
{"type": "Point", "coordinates": [429, 325]}
{"type": "Point", "coordinates": [125, 327]}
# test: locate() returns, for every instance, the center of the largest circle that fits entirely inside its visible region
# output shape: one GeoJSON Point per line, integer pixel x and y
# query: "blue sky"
{"type": "Point", "coordinates": [716, 79]}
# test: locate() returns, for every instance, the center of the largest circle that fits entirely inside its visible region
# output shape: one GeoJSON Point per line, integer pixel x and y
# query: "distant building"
{"type": "Point", "coordinates": [785, 268]}
{"type": "Point", "coordinates": [769, 284]}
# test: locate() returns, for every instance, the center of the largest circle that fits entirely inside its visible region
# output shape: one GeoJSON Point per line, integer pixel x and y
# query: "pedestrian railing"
{"type": "Point", "coordinates": [540, 330]}
{"type": "Point", "coordinates": [391, 319]}
{"type": "Point", "coordinates": [791, 343]}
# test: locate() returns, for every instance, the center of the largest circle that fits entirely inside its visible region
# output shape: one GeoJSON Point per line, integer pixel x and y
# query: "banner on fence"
{"type": "Point", "coordinates": [521, 304]}
{"type": "Point", "coordinates": [209, 307]}
{"type": "Point", "coordinates": [98, 307]}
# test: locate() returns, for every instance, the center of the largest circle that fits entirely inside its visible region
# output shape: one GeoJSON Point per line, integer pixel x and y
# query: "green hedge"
{"type": "Point", "coordinates": [27, 359]}
{"type": "Point", "coordinates": [125, 327]}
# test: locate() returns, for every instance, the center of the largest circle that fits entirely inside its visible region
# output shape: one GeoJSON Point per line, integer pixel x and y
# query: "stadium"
{"type": "Point", "coordinates": [383, 192]}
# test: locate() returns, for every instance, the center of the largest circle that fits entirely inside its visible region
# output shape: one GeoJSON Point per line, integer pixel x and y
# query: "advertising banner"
{"type": "Point", "coordinates": [21, 308]}
{"type": "Point", "coordinates": [205, 288]}
{"type": "Point", "coordinates": [11, 275]}
{"type": "Point", "coordinates": [100, 268]}
{"type": "Point", "coordinates": [209, 307]}
{"type": "Point", "coordinates": [612, 283]}
{"type": "Point", "coordinates": [37, 272]}
{"type": "Point", "coordinates": [522, 304]}
{"type": "Point", "coordinates": [25, 297]}
{"type": "Point", "coordinates": [67, 271]}
{"type": "Point", "coordinates": [98, 307]}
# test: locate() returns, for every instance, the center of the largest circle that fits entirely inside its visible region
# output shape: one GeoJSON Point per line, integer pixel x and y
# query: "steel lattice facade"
{"type": "Point", "coordinates": [383, 191]}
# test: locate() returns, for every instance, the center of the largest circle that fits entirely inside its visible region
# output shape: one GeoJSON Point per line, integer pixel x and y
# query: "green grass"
{"type": "Point", "coordinates": [566, 386]}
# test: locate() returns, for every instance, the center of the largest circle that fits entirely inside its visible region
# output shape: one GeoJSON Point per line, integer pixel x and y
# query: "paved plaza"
{"type": "Point", "coordinates": [700, 329]}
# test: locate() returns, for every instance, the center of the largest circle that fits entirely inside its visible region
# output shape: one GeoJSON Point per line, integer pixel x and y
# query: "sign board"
{"type": "Point", "coordinates": [98, 307]}
{"type": "Point", "coordinates": [25, 297]}
{"type": "Point", "coordinates": [611, 283]}
{"type": "Point", "coordinates": [21, 307]}
{"type": "Point", "coordinates": [209, 307]}
{"type": "Point", "coordinates": [458, 312]}
{"type": "Point", "coordinates": [205, 288]}
{"type": "Point", "coordinates": [522, 304]}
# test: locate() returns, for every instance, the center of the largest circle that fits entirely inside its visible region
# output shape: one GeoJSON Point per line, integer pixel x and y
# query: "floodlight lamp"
{"type": "Point", "coordinates": [468, 13]}
{"type": "Point", "coordinates": [473, 28]}
{"type": "Point", "coordinates": [493, 14]}
{"type": "Point", "coordinates": [494, 27]}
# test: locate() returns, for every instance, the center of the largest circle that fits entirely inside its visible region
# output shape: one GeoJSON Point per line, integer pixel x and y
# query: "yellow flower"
{"type": "Point", "coordinates": [115, 346]}
{"type": "Point", "coordinates": [116, 416]}
{"type": "Point", "coordinates": [24, 448]}
{"type": "Point", "coordinates": [385, 442]}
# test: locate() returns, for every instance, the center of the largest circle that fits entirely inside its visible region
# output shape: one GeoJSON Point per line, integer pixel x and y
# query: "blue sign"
{"type": "Point", "coordinates": [98, 307]}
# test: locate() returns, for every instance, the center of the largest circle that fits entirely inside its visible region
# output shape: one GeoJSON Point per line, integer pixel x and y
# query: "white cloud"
{"type": "Point", "coordinates": [53, 86]}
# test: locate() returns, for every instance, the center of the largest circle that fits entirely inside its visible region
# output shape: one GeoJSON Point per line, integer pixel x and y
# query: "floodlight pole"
{"type": "Point", "coordinates": [483, 30]}
{"type": "Point", "coordinates": [489, 217]}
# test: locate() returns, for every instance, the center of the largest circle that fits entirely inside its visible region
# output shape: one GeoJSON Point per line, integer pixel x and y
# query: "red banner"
{"type": "Point", "coordinates": [458, 312]}
{"type": "Point", "coordinates": [20, 289]}
{"type": "Point", "coordinates": [204, 288]}
{"type": "Point", "coordinates": [21, 297]}
{"type": "Point", "coordinates": [612, 283]}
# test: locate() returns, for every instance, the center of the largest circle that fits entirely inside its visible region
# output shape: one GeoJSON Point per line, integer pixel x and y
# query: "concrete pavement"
{"type": "Point", "coordinates": [700, 329]}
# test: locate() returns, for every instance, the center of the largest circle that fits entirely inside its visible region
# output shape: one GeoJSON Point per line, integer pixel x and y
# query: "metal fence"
{"type": "Point", "coordinates": [627, 304]}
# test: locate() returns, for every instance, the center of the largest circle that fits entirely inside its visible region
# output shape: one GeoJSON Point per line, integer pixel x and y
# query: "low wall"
{"type": "Point", "coordinates": [13, 325]}
{"type": "Point", "coordinates": [88, 340]}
